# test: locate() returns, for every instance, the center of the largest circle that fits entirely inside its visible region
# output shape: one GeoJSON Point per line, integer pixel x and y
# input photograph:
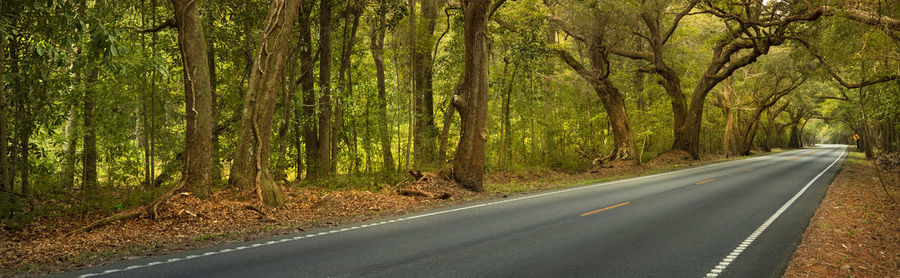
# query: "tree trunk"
{"type": "Point", "coordinates": [324, 151]}
{"type": "Point", "coordinates": [308, 121]}
{"type": "Point", "coordinates": [90, 135]}
{"type": "Point", "coordinates": [5, 184]}
{"type": "Point", "coordinates": [425, 131]}
{"type": "Point", "coordinates": [505, 126]}
{"type": "Point", "coordinates": [472, 104]}
{"type": "Point", "coordinates": [614, 105]}
{"type": "Point", "coordinates": [612, 100]}
{"type": "Point", "coordinates": [377, 47]}
{"type": "Point", "coordinates": [67, 180]}
{"type": "Point", "coordinates": [198, 99]}
{"type": "Point", "coordinates": [287, 96]}
{"type": "Point", "coordinates": [795, 136]}
{"type": "Point", "coordinates": [721, 66]}
{"type": "Point", "coordinates": [344, 85]}
{"type": "Point", "coordinates": [251, 162]}
{"type": "Point", "coordinates": [216, 166]}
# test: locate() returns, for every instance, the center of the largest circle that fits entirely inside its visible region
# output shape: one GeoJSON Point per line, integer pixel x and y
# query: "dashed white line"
{"type": "Point", "coordinates": [189, 257]}
{"type": "Point", "coordinates": [719, 268]}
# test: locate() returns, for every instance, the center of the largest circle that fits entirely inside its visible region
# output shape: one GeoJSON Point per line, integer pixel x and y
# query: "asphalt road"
{"type": "Point", "coordinates": [735, 219]}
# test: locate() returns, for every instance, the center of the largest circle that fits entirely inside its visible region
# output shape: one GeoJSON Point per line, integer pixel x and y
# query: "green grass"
{"type": "Point", "coordinates": [856, 157]}
{"type": "Point", "coordinates": [210, 236]}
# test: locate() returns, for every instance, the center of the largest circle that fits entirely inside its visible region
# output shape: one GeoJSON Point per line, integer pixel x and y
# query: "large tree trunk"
{"type": "Point", "coordinates": [308, 120]}
{"type": "Point", "coordinates": [198, 99]}
{"type": "Point", "coordinates": [251, 162]}
{"type": "Point", "coordinates": [324, 151]}
{"type": "Point", "coordinates": [770, 126]}
{"type": "Point", "coordinates": [377, 47]}
{"type": "Point", "coordinates": [472, 104]}
{"type": "Point", "coordinates": [614, 105]}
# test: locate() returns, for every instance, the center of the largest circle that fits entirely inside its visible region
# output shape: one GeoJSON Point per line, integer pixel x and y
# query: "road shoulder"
{"type": "Point", "coordinates": [855, 232]}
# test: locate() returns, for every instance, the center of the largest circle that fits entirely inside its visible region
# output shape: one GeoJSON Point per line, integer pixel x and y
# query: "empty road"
{"type": "Point", "coordinates": [734, 219]}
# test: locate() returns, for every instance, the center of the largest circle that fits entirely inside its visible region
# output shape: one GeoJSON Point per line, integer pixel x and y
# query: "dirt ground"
{"type": "Point", "coordinates": [856, 230]}
{"type": "Point", "coordinates": [185, 222]}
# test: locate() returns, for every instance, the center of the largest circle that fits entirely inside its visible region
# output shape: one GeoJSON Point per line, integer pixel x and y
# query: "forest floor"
{"type": "Point", "coordinates": [185, 222]}
{"type": "Point", "coordinates": [856, 230]}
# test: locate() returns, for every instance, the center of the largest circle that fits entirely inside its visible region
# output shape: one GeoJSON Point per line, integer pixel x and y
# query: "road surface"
{"type": "Point", "coordinates": [741, 218]}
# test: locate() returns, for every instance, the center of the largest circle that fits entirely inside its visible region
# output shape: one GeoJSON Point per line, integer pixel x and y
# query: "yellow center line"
{"type": "Point", "coordinates": [702, 182]}
{"type": "Point", "coordinates": [751, 169]}
{"type": "Point", "coordinates": [606, 208]}
{"type": "Point", "coordinates": [802, 155]}
{"type": "Point", "coordinates": [773, 163]}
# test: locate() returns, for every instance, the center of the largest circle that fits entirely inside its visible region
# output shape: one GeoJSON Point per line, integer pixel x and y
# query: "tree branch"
{"type": "Point", "coordinates": [585, 73]}
{"type": "Point", "coordinates": [636, 55]}
{"type": "Point", "coordinates": [678, 18]}
{"type": "Point", "coordinates": [834, 74]}
{"type": "Point", "coordinates": [169, 23]}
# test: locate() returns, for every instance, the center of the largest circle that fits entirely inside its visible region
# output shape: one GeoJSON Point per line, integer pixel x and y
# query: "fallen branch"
{"type": "Point", "coordinates": [128, 214]}
{"type": "Point", "coordinates": [414, 192]}
{"type": "Point", "coordinates": [149, 209]}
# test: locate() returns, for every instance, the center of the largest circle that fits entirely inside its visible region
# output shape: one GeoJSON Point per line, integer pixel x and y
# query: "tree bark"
{"type": "Point", "coordinates": [472, 104]}
{"type": "Point", "coordinates": [377, 48]}
{"type": "Point", "coordinates": [307, 63]}
{"type": "Point", "coordinates": [251, 162]}
{"type": "Point", "coordinates": [89, 176]}
{"type": "Point", "coordinates": [67, 180]}
{"type": "Point", "coordinates": [5, 184]}
{"type": "Point", "coordinates": [614, 105]}
{"type": "Point", "coordinates": [198, 99]}
{"type": "Point", "coordinates": [425, 131]}
{"type": "Point", "coordinates": [324, 151]}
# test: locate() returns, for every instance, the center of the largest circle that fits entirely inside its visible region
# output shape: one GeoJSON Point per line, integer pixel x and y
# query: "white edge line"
{"type": "Point", "coordinates": [248, 246]}
{"type": "Point", "coordinates": [723, 264]}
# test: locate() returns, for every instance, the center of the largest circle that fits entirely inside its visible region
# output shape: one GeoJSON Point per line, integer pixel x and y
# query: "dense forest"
{"type": "Point", "coordinates": [112, 104]}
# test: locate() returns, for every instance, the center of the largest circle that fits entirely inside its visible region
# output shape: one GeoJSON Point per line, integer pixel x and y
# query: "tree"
{"type": "Point", "coordinates": [752, 28]}
{"type": "Point", "coordinates": [323, 163]}
{"type": "Point", "coordinates": [468, 162]}
{"type": "Point", "coordinates": [423, 41]}
{"type": "Point", "coordinates": [657, 36]}
{"type": "Point", "coordinates": [376, 38]}
{"type": "Point", "coordinates": [5, 184]}
{"type": "Point", "coordinates": [198, 99]}
{"type": "Point", "coordinates": [596, 35]}
{"type": "Point", "coordinates": [307, 83]}
{"type": "Point", "coordinates": [251, 162]}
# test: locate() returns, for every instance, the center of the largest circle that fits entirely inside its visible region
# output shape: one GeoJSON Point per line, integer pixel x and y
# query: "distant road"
{"type": "Point", "coordinates": [734, 219]}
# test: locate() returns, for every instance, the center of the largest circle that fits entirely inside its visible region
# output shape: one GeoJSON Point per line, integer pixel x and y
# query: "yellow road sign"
{"type": "Point", "coordinates": [856, 137]}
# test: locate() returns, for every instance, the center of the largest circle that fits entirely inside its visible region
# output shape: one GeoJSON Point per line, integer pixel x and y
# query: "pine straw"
{"type": "Point", "coordinates": [855, 231]}
{"type": "Point", "coordinates": [186, 222]}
